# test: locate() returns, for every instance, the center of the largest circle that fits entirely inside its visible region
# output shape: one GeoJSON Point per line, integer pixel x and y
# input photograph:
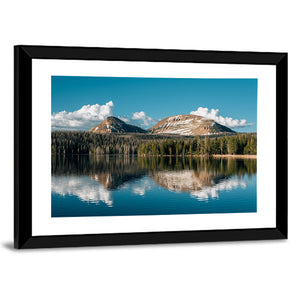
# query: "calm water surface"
{"type": "Point", "coordinates": [86, 185]}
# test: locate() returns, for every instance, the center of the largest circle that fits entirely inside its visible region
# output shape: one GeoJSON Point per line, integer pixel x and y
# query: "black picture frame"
{"type": "Point", "coordinates": [23, 56]}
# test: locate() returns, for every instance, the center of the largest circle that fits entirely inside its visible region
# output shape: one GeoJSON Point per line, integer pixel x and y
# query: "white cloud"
{"type": "Point", "coordinates": [84, 118]}
{"type": "Point", "coordinates": [215, 115]}
{"type": "Point", "coordinates": [141, 119]}
{"type": "Point", "coordinates": [124, 119]}
{"type": "Point", "coordinates": [89, 116]}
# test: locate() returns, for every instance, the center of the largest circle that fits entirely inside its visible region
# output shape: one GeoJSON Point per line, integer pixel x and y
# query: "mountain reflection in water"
{"type": "Point", "coordinates": [93, 179]}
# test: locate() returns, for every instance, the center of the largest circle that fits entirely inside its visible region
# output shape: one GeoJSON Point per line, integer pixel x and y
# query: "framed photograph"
{"type": "Point", "coordinates": [142, 146]}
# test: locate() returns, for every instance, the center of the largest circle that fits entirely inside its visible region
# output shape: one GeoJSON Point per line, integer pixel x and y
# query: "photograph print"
{"type": "Point", "coordinates": [129, 146]}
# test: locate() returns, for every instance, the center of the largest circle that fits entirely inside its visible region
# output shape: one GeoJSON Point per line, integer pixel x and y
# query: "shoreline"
{"type": "Point", "coordinates": [252, 156]}
{"type": "Point", "coordinates": [245, 156]}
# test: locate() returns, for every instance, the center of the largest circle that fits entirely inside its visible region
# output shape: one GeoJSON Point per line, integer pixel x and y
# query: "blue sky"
{"type": "Point", "coordinates": [83, 102]}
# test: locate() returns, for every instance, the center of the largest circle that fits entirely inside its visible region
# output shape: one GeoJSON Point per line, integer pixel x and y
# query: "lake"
{"type": "Point", "coordinates": [116, 185]}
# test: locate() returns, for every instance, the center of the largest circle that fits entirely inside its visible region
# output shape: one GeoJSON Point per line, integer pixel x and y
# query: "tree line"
{"type": "Point", "coordinates": [236, 144]}
{"type": "Point", "coordinates": [80, 142]}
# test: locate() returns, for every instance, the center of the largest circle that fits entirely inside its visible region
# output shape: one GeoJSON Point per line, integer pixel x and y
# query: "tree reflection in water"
{"type": "Point", "coordinates": [202, 177]}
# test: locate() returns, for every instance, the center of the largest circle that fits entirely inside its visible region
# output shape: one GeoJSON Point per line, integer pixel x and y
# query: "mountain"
{"type": "Point", "coordinates": [188, 125]}
{"type": "Point", "coordinates": [115, 125]}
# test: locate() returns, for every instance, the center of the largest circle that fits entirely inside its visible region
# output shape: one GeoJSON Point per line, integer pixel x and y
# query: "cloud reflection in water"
{"type": "Point", "coordinates": [83, 187]}
{"type": "Point", "coordinates": [97, 180]}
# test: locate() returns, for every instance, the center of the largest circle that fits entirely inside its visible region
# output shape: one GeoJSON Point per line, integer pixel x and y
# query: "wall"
{"type": "Point", "coordinates": [245, 270]}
